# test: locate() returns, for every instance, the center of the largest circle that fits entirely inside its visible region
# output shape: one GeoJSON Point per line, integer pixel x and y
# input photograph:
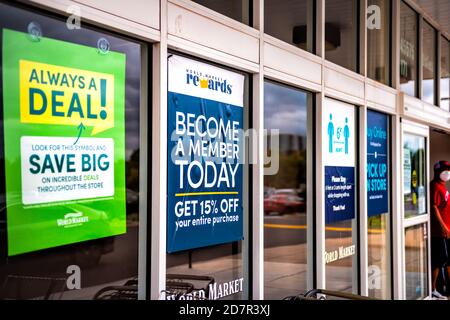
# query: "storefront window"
{"type": "Point", "coordinates": [69, 158]}
{"type": "Point", "coordinates": [285, 214]}
{"type": "Point", "coordinates": [445, 74]}
{"type": "Point", "coordinates": [341, 30]}
{"type": "Point", "coordinates": [378, 40]}
{"type": "Point", "coordinates": [237, 9]}
{"type": "Point", "coordinates": [429, 63]}
{"type": "Point", "coordinates": [378, 205]}
{"type": "Point", "coordinates": [414, 173]}
{"type": "Point", "coordinates": [341, 227]}
{"type": "Point", "coordinates": [291, 21]}
{"type": "Point", "coordinates": [416, 262]}
{"type": "Point", "coordinates": [408, 49]}
{"type": "Point", "coordinates": [207, 206]}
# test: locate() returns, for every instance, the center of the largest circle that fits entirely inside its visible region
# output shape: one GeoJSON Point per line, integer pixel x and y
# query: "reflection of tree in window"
{"type": "Point", "coordinates": [132, 182]}
{"type": "Point", "coordinates": [105, 261]}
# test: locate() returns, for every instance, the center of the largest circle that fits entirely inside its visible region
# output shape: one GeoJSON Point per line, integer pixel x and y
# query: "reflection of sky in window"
{"type": "Point", "coordinates": [445, 93]}
{"type": "Point", "coordinates": [285, 109]}
{"type": "Point", "coordinates": [409, 88]}
{"type": "Point", "coordinates": [414, 143]}
{"type": "Point", "coordinates": [428, 91]}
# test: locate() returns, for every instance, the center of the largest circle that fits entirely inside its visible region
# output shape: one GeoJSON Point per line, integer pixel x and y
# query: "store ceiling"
{"type": "Point", "coordinates": [439, 10]}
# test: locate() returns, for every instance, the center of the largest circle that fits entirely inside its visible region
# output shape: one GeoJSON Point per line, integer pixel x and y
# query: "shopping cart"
{"type": "Point", "coordinates": [187, 287]}
{"type": "Point", "coordinates": [322, 294]}
{"type": "Point", "coordinates": [178, 287]}
{"type": "Point", "coordinates": [127, 291]}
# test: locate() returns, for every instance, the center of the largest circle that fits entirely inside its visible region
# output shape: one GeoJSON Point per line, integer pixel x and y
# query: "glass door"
{"type": "Point", "coordinates": [415, 211]}
{"type": "Point", "coordinates": [339, 149]}
{"type": "Point", "coordinates": [287, 116]}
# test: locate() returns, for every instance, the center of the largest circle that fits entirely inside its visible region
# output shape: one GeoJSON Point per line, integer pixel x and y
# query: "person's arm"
{"type": "Point", "coordinates": [444, 228]}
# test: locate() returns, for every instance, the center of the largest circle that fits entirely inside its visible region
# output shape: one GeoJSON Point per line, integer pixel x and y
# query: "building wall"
{"type": "Point", "coordinates": [187, 27]}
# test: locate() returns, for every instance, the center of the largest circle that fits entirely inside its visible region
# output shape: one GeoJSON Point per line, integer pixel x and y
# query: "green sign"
{"type": "Point", "coordinates": [64, 127]}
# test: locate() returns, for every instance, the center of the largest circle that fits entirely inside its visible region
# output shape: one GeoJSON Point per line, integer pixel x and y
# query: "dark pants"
{"type": "Point", "coordinates": [440, 259]}
{"type": "Point", "coordinates": [439, 252]}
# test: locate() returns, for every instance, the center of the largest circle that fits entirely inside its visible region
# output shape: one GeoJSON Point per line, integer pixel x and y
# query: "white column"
{"type": "Point", "coordinates": [159, 161]}
{"type": "Point", "coordinates": [319, 174]}
{"type": "Point", "coordinates": [143, 180]}
{"type": "Point", "coordinates": [320, 203]}
{"type": "Point", "coordinates": [258, 166]}
{"type": "Point", "coordinates": [363, 243]}
{"type": "Point", "coordinates": [397, 202]}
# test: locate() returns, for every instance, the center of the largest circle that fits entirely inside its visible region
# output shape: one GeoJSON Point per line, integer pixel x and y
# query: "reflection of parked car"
{"type": "Point", "coordinates": [284, 203]}
{"type": "Point", "coordinates": [290, 192]}
{"type": "Point", "coordinates": [268, 191]}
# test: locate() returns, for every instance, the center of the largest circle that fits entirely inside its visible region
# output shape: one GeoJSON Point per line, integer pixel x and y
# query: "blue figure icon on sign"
{"type": "Point", "coordinates": [330, 134]}
{"type": "Point", "coordinates": [346, 135]}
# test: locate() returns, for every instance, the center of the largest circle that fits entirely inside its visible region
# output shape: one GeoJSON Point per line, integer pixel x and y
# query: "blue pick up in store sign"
{"type": "Point", "coordinates": [377, 163]}
{"type": "Point", "coordinates": [205, 170]}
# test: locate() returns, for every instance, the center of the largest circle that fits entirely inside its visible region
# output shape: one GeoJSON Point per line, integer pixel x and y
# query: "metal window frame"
{"type": "Point", "coordinates": [310, 182]}
{"type": "Point", "coordinates": [441, 37]}
{"type": "Point", "coordinates": [389, 40]}
{"type": "Point", "coordinates": [418, 51]}
{"type": "Point", "coordinates": [364, 242]}
{"type": "Point", "coordinates": [411, 128]}
{"type": "Point", "coordinates": [436, 55]}
{"type": "Point", "coordinates": [359, 223]}
{"type": "Point", "coordinates": [247, 243]}
{"type": "Point", "coordinates": [360, 35]}
{"type": "Point", "coordinates": [423, 17]}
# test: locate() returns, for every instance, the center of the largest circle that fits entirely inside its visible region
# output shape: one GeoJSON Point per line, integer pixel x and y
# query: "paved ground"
{"type": "Point", "coordinates": [285, 262]}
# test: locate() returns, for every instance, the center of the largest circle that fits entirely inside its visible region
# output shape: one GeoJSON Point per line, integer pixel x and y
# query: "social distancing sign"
{"type": "Point", "coordinates": [64, 122]}
{"type": "Point", "coordinates": [339, 157]}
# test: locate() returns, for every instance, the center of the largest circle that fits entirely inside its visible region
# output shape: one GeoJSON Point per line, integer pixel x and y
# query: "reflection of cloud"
{"type": "Point", "coordinates": [288, 122]}
{"type": "Point", "coordinates": [409, 87]}
{"type": "Point", "coordinates": [285, 109]}
{"type": "Point", "coordinates": [428, 91]}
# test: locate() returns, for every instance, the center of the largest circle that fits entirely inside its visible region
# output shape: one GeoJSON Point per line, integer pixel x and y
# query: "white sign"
{"type": "Point", "coordinates": [421, 200]}
{"type": "Point", "coordinates": [197, 79]}
{"type": "Point", "coordinates": [55, 169]}
{"type": "Point", "coordinates": [406, 171]}
{"type": "Point", "coordinates": [338, 134]}
{"type": "Point", "coordinates": [340, 253]}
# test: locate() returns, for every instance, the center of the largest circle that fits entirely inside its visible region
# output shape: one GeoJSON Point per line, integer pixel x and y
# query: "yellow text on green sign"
{"type": "Point", "coordinates": [51, 94]}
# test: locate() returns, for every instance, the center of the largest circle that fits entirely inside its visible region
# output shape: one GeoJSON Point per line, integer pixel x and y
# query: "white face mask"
{"type": "Point", "coordinates": [445, 176]}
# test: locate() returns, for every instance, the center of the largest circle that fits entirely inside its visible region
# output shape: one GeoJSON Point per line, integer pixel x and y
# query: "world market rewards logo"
{"type": "Point", "coordinates": [208, 81]}
{"type": "Point", "coordinates": [72, 220]}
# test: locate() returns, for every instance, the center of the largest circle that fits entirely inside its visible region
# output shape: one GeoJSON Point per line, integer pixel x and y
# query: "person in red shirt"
{"type": "Point", "coordinates": [440, 223]}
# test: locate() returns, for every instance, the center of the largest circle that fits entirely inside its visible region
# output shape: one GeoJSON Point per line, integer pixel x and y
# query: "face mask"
{"type": "Point", "coordinates": [445, 176]}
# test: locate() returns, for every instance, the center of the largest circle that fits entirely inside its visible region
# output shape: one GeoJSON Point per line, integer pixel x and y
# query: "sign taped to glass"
{"type": "Point", "coordinates": [205, 174]}
{"type": "Point", "coordinates": [339, 160]}
{"type": "Point", "coordinates": [377, 163]}
{"type": "Point", "coordinates": [65, 140]}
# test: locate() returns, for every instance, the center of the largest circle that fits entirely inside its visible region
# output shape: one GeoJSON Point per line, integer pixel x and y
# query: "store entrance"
{"type": "Point", "coordinates": [439, 150]}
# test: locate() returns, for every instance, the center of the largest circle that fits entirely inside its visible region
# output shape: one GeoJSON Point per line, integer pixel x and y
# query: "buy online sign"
{"type": "Point", "coordinates": [51, 94]}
